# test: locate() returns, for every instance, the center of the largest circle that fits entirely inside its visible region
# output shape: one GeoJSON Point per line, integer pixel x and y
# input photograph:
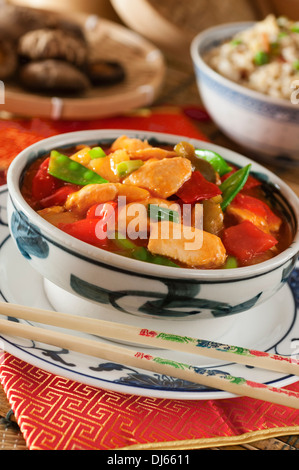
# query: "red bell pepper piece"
{"type": "Point", "coordinates": [59, 197]}
{"type": "Point", "coordinates": [245, 240]}
{"type": "Point", "coordinates": [197, 188]}
{"type": "Point", "coordinates": [104, 210]}
{"type": "Point", "coordinates": [258, 207]}
{"type": "Point", "coordinates": [86, 230]}
{"type": "Point", "coordinates": [105, 214]}
{"type": "Point", "coordinates": [94, 228]}
{"type": "Point", "coordinates": [94, 211]}
{"type": "Point", "coordinates": [43, 184]}
{"type": "Point", "coordinates": [250, 183]}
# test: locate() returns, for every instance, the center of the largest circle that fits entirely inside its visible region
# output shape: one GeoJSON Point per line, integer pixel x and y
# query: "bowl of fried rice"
{"type": "Point", "coordinates": [248, 79]}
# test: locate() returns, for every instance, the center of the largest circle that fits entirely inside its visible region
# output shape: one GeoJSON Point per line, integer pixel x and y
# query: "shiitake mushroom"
{"type": "Point", "coordinates": [46, 43]}
{"type": "Point", "coordinates": [8, 60]}
{"type": "Point", "coordinates": [50, 53]}
{"type": "Point", "coordinates": [105, 72]}
{"type": "Point", "coordinates": [53, 75]}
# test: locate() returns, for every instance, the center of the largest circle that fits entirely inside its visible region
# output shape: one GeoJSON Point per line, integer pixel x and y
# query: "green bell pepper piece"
{"type": "Point", "coordinates": [158, 213]}
{"type": "Point", "coordinates": [156, 259]}
{"type": "Point", "coordinates": [233, 185]}
{"type": "Point", "coordinates": [217, 162]}
{"type": "Point", "coordinates": [140, 253]}
{"type": "Point", "coordinates": [70, 171]}
{"type": "Point", "coordinates": [96, 152]}
{"type": "Point", "coordinates": [128, 247]}
{"type": "Point", "coordinates": [187, 150]}
{"type": "Point", "coordinates": [231, 263]}
{"type": "Point", "coordinates": [122, 242]}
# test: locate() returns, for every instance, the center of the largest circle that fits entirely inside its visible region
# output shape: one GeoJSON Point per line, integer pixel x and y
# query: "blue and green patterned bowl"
{"type": "Point", "coordinates": [134, 287]}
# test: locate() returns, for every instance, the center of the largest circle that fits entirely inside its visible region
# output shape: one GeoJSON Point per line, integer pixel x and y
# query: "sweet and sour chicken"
{"type": "Point", "coordinates": [175, 206]}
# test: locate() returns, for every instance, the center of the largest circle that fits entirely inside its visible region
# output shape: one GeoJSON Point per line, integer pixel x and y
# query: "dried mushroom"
{"type": "Point", "coordinates": [53, 44]}
{"type": "Point", "coordinates": [53, 75]}
{"type": "Point", "coordinates": [46, 52]}
{"type": "Point", "coordinates": [104, 72]}
{"type": "Point", "coordinates": [8, 60]}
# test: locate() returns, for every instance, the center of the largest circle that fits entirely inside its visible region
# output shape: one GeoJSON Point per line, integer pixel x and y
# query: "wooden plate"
{"type": "Point", "coordinates": [144, 65]}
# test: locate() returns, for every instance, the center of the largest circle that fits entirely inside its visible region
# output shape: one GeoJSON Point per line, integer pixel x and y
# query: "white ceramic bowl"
{"type": "Point", "coordinates": [266, 126]}
{"type": "Point", "coordinates": [130, 286]}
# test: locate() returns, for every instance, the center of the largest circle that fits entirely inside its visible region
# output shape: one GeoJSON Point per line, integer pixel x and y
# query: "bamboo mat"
{"type": "Point", "coordinates": [180, 89]}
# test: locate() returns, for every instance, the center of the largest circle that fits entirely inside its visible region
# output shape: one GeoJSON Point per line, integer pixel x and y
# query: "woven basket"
{"type": "Point", "coordinates": [171, 24]}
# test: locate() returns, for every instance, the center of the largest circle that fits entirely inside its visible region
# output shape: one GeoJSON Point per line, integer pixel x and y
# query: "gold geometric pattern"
{"type": "Point", "coordinates": [56, 413]}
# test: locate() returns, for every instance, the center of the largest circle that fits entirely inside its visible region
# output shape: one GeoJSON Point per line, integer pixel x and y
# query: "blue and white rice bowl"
{"type": "Point", "coordinates": [266, 126]}
{"type": "Point", "coordinates": [128, 286]}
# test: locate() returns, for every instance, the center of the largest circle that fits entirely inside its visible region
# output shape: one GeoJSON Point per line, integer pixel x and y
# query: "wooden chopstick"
{"type": "Point", "coordinates": [132, 358]}
{"type": "Point", "coordinates": [155, 339]}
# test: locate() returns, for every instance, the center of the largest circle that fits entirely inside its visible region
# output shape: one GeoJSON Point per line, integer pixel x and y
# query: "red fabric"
{"type": "Point", "coordinates": [15, 135]}
{"type": "Point", "coordinates": [55, 413]}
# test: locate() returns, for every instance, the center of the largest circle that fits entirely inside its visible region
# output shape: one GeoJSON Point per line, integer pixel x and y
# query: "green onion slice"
{"type": "Point", "coordinates": [97, 152]}
{"type": "Point", "coordinates": [127, 167]}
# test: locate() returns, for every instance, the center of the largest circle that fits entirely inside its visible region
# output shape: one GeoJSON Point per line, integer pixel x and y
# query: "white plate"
{"type": "Point", "coordinates": [272, 327]}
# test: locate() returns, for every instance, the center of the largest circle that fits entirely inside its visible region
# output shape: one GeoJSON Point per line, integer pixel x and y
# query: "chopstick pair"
{"type": "Point", "coordinates": [133, 358]}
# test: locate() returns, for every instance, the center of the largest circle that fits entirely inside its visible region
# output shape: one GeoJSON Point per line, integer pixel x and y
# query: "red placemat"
{"type": "Point", "coordinates": [55, 413]}
{"type": "Point", "coordinates": [17, 134]}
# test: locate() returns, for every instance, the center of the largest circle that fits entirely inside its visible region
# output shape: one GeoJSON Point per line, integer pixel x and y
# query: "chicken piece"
{"type": "Point", "coordinates": [131, 193]}
{"type": "Point", "coordinates": [188, 245]}
{"type": "Point", "coordinates": [141, 149]}
{"type": "Point", "coordinates": [106, 166]}
{"type": "Point", "coordinates": [82, 156]}
{"type": "Point", "coordinates": [152, 152]}
{"type": "Point", "coordinates": [131, 145]}
{"type": "Point", "coordinates": [102, 167]}
{"type": "Point", "coordinates": [244, 214]}
{"type": "Point", "coordinates": [117, 157]}
{"type": "Point", "coordinates": [162, 178]}
{"type": "Point", "coordinates": [82, 200]}
{"type": "Point", "coordinates": [57, 215]}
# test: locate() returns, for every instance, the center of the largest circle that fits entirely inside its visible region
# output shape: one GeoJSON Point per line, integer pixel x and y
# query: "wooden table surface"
{"type": "Point", "coordinates": [179, 89]}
